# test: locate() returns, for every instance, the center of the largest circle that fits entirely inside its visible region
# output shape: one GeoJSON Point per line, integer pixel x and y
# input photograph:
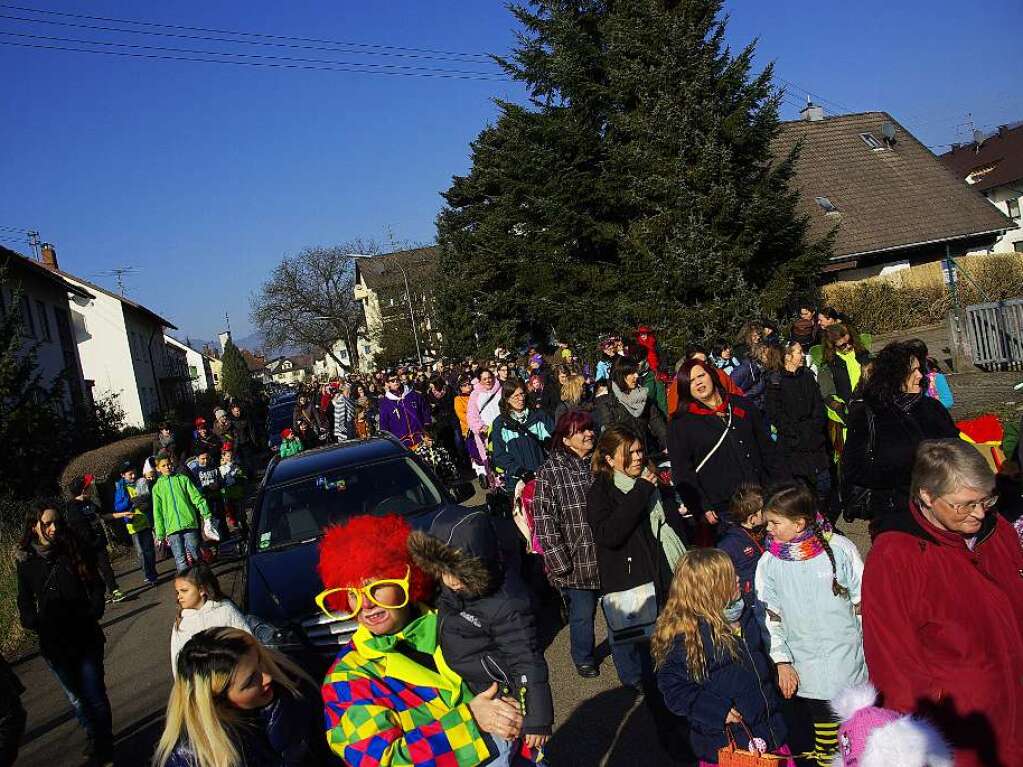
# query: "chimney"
{"type": "Point", "coordinates": [811, 112]}
{"type": "Point", "coordinates": [48, 256]}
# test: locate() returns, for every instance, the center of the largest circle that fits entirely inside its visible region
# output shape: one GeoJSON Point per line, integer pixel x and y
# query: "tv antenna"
{"type": "Point", "coordinates": [118, 273]}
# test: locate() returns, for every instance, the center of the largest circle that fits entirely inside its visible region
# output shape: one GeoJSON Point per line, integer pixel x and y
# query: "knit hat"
{"type": "Point", "coordinates": [200, 422]}
{"type": "Point", "coordinates": [219, 413]}
{"type": "Point", "coordinates": [287, 433]}
{"type": "Point", "coordinates": [871, 736]}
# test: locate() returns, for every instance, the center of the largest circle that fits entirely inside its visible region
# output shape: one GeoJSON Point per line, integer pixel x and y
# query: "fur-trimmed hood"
{"type": "Point", "coordinates": [466, 547]}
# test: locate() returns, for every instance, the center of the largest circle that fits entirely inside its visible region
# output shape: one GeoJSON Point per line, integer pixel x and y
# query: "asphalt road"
{"type": "Point", "coordinates": [597, 721]}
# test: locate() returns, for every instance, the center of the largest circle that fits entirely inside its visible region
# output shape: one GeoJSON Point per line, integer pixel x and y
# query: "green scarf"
{"type": "Point", "coordinates": [669, 542]}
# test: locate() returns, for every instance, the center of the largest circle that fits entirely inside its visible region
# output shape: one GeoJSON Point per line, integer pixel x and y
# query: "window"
{"type": "Point", "coordinates": [826, 205]}
{"type": "Point", "coordinates": [873, 143]}
{"type": "Point", "coordinates": [193, 373]}
{"type": "Point", "coordinates": [1018, 246]}
{"type": "Point", "coordinates": [44, 320]}
{"type": "Point", "coordinates": [28, 322]}
{"type": "Point", "coordinates": [1013, 205]}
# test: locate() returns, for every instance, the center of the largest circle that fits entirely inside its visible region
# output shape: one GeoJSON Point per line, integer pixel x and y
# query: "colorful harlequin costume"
{"type": "Point", "coordinates": [381, 706]}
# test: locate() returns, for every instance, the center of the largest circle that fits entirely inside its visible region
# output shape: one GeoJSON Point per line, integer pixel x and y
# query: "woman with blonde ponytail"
{"type": "Point", "coordinates": [237, 704]}
{"type": "Point", "coordinates": [808, 578]}
{"type": "Point", "coordinates": [712, 665]}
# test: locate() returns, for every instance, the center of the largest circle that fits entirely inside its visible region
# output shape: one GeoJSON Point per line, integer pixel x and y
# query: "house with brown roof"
{"type": "Point", "coordinates": [993, 165]}
{"type": "Point", "coordinates": [121, 346]}
{"type": "Point", "coordinates": [889, 200]}
{"type": "Point", "coordinates": [384, 284]}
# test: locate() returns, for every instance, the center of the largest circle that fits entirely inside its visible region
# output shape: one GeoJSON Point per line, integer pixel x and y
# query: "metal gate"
{"type": "Point", "coordinates": [994, 331]}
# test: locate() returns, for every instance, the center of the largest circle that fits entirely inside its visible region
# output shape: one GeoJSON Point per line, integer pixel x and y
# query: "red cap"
{"type": "Point", "coordinates": [200, 421]}
{"type": "Point", "coordinates": [286, 433]}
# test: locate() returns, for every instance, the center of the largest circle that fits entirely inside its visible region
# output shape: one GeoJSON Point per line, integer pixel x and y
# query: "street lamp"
{"type": "Point", "coordinates": [408, 298]}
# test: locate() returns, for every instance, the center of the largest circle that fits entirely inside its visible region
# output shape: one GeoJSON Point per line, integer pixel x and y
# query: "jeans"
{"type": "Point", "coordinates": [582, 607]}
{"type": "Point", "coordinates": [632, 662]}
{"type": "Point", "coordinates": [146, 550]}
{"type": "Point", "coordinates": [83, 683]}
{"type": "Point", "coordinates": [179, 542]}
{"type": "Point", "coordinates": [507, 754]}
{"type": "Point", "coordinates": [106, 572]}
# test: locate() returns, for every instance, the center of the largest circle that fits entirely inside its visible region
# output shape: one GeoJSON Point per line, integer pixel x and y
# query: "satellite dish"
{"type": "Point", "coordinates": [888, 132]}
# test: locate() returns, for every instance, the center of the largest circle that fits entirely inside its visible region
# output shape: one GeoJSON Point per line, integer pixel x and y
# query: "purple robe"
{"type": "Point", "coordinates": [406, 417]}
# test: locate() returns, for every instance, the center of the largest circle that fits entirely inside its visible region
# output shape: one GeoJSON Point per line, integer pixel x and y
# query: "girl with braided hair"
{"type": "Point", "coordinates": [808, 579]}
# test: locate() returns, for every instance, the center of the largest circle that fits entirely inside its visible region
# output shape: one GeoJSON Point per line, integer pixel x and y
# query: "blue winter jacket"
{"type": "Point", "coordinates": [752, 379]}
{"type": "Point", "coordinates": [283, 734]}
{"type": "Point", "coordinates": [744, 683]}
{"type": "Point", "coordinates": [520, 449]}
{"type": "Point", "coordinates": [744, 551]}
{"type": "Point", "coordinates": [122, 501]}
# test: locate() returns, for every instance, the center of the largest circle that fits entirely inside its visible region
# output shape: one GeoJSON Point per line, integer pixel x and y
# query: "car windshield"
{"type": "Point", "coordinates": [300, 510]}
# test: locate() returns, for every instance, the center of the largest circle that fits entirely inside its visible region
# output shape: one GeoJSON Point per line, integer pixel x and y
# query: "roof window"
{"type": "Point", "coordinates": [826, 205]}
{"type": "Point", "coordinates": [873, 143]}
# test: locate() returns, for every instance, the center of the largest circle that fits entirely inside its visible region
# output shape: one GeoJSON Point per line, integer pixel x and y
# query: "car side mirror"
{"type": "Point", "coordinates": [462, 491]}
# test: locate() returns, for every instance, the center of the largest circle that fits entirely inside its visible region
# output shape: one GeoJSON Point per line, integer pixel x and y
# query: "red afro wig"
{"type": "Point", "coordinates": [370, 547]}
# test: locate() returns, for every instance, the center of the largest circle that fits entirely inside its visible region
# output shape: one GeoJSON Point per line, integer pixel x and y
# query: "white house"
{"type": "Point", "coordinates": [197, 365]}
{"type": "Point", "coordinates": [289, 370]}
{"type": "Point", "coordinates": [385, 284]}
{"type": "Point", "coordinates": [993, 165]}
{"type": "Point", "coordinates": [122, 350]}
{"type": "Point", "coordinates": [43, 296]}
{"type": "Point", "coordinates": [326, 367]}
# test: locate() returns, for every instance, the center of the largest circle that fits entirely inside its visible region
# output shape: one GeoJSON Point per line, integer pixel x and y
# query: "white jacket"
{"type": "Point", "coordinates": [212, 614]}
{"type": "Point", "coordinates": [819, 633]}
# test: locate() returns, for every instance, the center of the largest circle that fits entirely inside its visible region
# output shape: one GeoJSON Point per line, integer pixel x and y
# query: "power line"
{"type": "Point", "coordinates": [347, 47]}
{"type": "Point", "coordinates": [260, 35]}
{"type": "Point", "coordinates": [817, 96]}
{"type": "Point", "coordinates": [271, 65]}
{"type": "Point", "coordinates": [368, 66]}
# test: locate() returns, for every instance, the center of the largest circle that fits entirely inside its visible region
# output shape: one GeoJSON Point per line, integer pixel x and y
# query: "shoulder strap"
{"type": "Point", "coordinates": [721, 439]}
{"type": "Point", "coordinates": [871, 431]}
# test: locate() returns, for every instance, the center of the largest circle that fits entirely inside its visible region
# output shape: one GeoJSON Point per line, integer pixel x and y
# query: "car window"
{"type": "Point", "coordinates": [301, 510]}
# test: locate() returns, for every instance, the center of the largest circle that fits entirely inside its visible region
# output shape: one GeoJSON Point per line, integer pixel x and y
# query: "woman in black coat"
{"type": "Point", "coordinates": [634, 544]}
{"type": "Point", "coordinates": [796, 410]}
{"type": "Point", "coordinates": [60, 599]}
{"type": "Point", "coordinates": [885, 429]}
{"type": "Point", "coordinates": [716, 442]}
{"type": "Point", "coordinates": [629, 403]}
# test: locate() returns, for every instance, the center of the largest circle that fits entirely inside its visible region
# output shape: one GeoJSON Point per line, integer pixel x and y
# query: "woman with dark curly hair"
{"type": "Point", "coordinates": [885, 429]}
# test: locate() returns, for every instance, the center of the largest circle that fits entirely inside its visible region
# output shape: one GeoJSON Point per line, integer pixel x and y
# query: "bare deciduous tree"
{"type": "Point", "coordinates": [308, 301]}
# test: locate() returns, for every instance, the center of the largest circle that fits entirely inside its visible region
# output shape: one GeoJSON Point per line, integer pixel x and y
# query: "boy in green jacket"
{"type": "Point", "coordinates": [178, 507]}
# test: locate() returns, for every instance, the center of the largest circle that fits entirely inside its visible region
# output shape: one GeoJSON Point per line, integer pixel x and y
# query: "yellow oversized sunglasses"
{"type": "Point", "coordinates": [370, 591]}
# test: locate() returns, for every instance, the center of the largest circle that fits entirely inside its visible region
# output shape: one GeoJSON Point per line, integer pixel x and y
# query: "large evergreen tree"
{"type": "Point", "coordinates": [639, 185]}
{"type": "Point", "coordinates": [235, 377]}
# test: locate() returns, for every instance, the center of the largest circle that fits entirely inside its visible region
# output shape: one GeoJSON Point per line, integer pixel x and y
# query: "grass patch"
{"type": "Point", "coordinates": [13, 638]}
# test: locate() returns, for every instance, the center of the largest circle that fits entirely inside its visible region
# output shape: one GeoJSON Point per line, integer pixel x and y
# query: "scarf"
{"type": "Point", "coordinates": [696, 408]}
{"type": "Point", "coordinates": [905, 401]}
{"type": "Point", "coordinates": [669, 541]}
{"type": "Point", "coordinates": [395, 397]}
{"type": "Point", "coordinates": [519, 417]}
{"type": "Point", "coordinates": [634, 401]}
{"type": "Point", "coordinates": [804, 546]}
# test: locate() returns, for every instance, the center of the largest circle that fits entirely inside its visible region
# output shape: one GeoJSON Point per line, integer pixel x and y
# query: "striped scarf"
{"type": "Point", "coordinates": [806, 545]}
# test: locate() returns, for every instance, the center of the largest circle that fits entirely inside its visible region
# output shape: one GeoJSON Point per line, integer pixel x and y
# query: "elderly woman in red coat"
{"type": "Point", "coordinates": [943, 608]}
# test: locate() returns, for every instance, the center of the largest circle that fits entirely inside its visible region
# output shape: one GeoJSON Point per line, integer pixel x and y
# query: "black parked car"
{"type": "Point", "coordinates": [298, 498]}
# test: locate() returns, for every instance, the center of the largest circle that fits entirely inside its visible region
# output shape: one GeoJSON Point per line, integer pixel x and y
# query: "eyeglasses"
{"type": "Point", "coordinates": [962, 509]}
{"type": "Point", "coordinates": [374, 592]}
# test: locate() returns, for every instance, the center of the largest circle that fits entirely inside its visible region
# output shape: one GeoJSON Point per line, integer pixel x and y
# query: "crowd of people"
{"type": "Point", "coordinates": [697, 506]}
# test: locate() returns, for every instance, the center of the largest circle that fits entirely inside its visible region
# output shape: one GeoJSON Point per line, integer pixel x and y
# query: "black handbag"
{"type": "Point", "coordinates": [858, 501]}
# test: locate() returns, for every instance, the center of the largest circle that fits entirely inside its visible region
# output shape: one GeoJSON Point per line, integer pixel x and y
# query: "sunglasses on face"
{"type": "Point", "coordinates": [375, 592]}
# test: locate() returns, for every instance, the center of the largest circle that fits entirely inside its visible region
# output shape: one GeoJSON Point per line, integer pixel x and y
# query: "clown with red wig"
{"type": "Point", "coordinates": [390, 698]}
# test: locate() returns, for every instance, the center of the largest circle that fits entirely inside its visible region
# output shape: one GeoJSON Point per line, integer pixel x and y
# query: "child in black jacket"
{"type": "Point", "coordinates": [487, 630]}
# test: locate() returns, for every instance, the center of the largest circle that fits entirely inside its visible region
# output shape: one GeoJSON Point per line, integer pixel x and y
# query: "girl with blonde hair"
{"type": "Point", "coordinates": [711, 662]}
{"type": "Point", "coordinates": [235, 703]}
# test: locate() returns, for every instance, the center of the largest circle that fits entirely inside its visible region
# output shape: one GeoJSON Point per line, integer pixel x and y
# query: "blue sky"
{"type": "Point", "coordinates": [203, 176]}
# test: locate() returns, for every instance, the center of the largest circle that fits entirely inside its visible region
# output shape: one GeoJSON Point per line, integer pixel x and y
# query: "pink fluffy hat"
{"type": "Point", "coordinates": [871, 736]}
